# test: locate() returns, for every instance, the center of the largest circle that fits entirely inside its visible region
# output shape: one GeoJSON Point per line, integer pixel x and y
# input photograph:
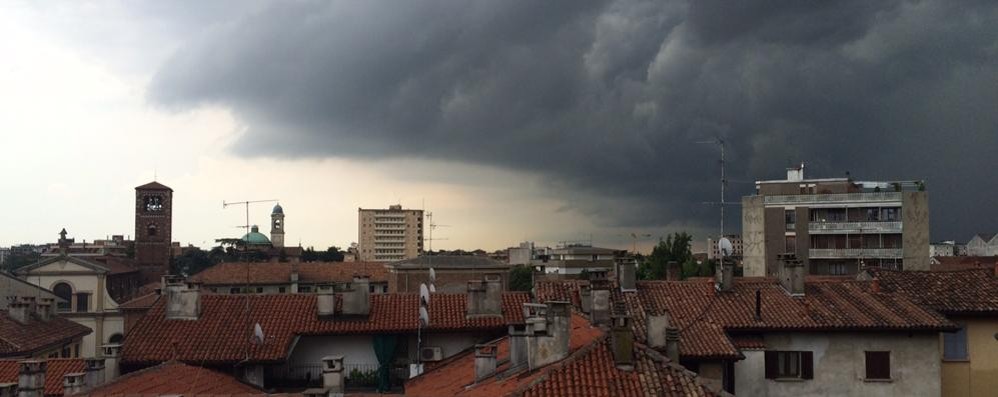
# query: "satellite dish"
{"type": "Point", "coordinates": [424, 294]}
{"type": "Point", "coordinates": [725, 247]}
{"type": "Point", "coordinates": [433, 289]}
{"type": "Point", "coordinates": [258, 333]}
{"type": "Point", "coordinates": [424, 317]}
{"type": "Point", "coordinates": [433, 276]}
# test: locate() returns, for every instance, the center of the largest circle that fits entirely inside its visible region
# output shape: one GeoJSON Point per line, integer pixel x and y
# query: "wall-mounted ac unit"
{"type": "Point", "coordinates": [431, 354]}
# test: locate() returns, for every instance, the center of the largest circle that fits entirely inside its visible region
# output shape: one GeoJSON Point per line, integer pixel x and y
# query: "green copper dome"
{"type": "Point", "coordinates": [254, 237]}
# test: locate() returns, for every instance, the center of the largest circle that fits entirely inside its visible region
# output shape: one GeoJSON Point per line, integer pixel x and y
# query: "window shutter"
{"type": "Point", "coordinates": [878, 365]}
{"type": "Point", "coordinates": [772, 365]}
{"type": "Point", "coordinates": [807, 365]}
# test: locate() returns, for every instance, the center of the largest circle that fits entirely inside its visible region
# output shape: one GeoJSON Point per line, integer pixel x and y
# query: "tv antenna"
{"type": "Point", "coordinates": [634, 240]}
{"type": "Point", "coordinates": [246, 204]}
{"type": "Point", "coordinates": [432, 227]}
{"type": "Point", "coordinates": [724, 182]}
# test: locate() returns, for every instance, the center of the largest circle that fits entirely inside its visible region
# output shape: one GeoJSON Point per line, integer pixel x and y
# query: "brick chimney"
{"type": "Point", "coordinates": [672, 344]}
{"type": "Point", "coordinates": [95, 372]}
{"type": "Point", "coordinates": [517, 345]}
{"type": "Point", "coordinates": [19, 311]}
{"type": "Point", "coordinates": [31, 378]}
{"type": "Point", "coordinates": [672, 271]}
{"type": "Point", "coordinates": [792, 274]}
{"type": "Point", "coordinates": [627, 274]}
{"type": "Point", "coordinates": [548, 335]}
{"type": "Point", "coordinates": [357, 300]}
{"type": "Point", "coordinates": [112, 359]}
{"type": "Point", "coordinates": [74, 383]}
{"type": "Point", "coordinates": [656, 326]}
{"type": "Point", "coordinates": [332, 374]}
{"type": "Point", "coordinates": [622, 338]}
{"type": "Point", "coordinates": [325, 302]}
{"type": "Point", "coordinates": [183, 299]}
{"type": "Point", "coordinates": [485, 361]}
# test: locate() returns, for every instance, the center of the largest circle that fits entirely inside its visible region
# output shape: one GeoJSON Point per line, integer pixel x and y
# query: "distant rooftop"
{"type": "Point", "coordinates": [448, 261]}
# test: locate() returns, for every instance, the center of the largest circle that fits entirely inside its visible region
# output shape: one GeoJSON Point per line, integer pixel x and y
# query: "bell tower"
{"type": "Point", "coordinates": [277, 226]}
{"type": "Point", "coordinates": [153, 229]}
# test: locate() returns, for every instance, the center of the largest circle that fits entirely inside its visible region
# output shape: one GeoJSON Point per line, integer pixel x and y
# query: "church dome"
{"type": "Point", "coordinates": [278, 209]}
{"type": "Point", "coordinates": [254, 237]}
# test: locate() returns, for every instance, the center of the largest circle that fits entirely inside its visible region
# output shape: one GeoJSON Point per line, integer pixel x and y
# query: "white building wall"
{"type": "Point", "coordinates": [839, 365]}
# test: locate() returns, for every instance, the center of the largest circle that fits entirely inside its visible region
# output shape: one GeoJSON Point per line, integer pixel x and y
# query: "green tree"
{"type": "Point", "coordinates": [191, 262]}
{"type": "Point", "coordinates": [675, 247]}
{"type": "Point", "coordinates": [521, 278]}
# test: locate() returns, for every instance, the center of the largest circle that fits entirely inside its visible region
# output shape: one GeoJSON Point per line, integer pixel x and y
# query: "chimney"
{"type": "Point", "coordinates": [31, 378]}
{"type": "Point", "coordinates": [50, 304]}
{"type": "Point", "coordinates": [672, 344]}
{"type": "Point", "coordinates": [724, 277]}
{"type": "Point", "coordinates": [74, 383]}
{"type": "Point", "coordinates": [875, 285]}
{"type": "Point", "coordinates": [112, 357]}
{"type": "Point", "coordinates": [183, 299]}
{"type": "Point", "coordinates": [484, 298]}
{"type": "Point", "coordinates": [586, 299]}
{"type": "Point", "coordinates": [517, 345]}
{"type": "Point", "coordinates": [95, 372]}
{"type": "Point", "coordinates": [598, 275]}
{"type": "Point", "coordinates": [485, 361]}
{"type": "Point", "coordinates": [8, 389]}
{"type": "Point", "coordinates": [356, 300]}
{"type": "Point", "coordinates": [325, 301]}
{"type": "Point", "coordinates": [622, 338]}
{"type": "Point", "coordinates": [332, 374]}
{"type": "Point", "coordinates": [626, 274]}
{"type": "Point", "coordinates": [673, 271]}
{"type": "Point", "coordinates": [294, 279]}
{"type": "Point", "coordinates": [548, 335]}
{"type": "Point", "coordinates": [19, 311]}
{"type": "Point", "coordinates": [657, 324]}
{"type": "Point", "coordinates": [600, 312]}
{"type": "Point", "coordinates": [44, 311]}
{"type": "Point", "coordinates": [792, 277]}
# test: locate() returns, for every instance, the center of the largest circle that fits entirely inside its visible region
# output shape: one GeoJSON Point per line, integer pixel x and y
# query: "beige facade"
{"type": "Point", "coordinates": [977, 375]}
{"type": "Point", "coordinates": [835, 226]}
{"type": "Point", "coordinates": [387, 235]}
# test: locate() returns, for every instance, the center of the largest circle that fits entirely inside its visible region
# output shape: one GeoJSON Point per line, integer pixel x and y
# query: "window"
{"type": "Point", "coordinates": [65, 293]}
{"type": "Point", "coordinates": [233, 290]}
{"type": "Point", "coordinates": [955, 344]}
{"type": "Point", "coordinates": [878, 365]}
{"type": "Point", "coordinates": [67, 352]}
{"type": "Point", "coordinates": [791, 246]}
{"type": "Point", "coordinates": [789, 365]}
{"type": "Point", "coordinates": [151, 230]}
{"type": "Point", "coordinates": [281, 289]}
{"type": "Point", "coordinates": [82, 302]}
{"type": "Point", "coordinates": [259, 290]}
{"type": "Point", "coordinates": [791, 219]}
{"type": "Point", "coordinates": [305, 289]}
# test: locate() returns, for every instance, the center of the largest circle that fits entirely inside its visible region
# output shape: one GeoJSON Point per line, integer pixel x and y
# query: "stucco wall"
{"type": "Point", "coordinates": [753, 236]}
{"type": "Point", "coordinates": [979, 375]}
{"type": "Point", "coordinates": [355, 349]}
{"type": "Point", "coordinates": [915, 226]}
{"type": "Point", "coordinates": [839, 365]}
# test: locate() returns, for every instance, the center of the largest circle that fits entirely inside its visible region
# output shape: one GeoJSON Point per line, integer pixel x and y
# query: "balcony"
{"type": "Point", "coordinates": [834, 253]}
{"type": "Point", "coordinates": [853, 227]}
{"type": "Point", "coordinates": [843, 198]}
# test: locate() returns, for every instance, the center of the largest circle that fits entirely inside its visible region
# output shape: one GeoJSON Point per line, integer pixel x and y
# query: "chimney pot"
{"type": "Point", "coordinates": [875, 285]}
{"type": "Point", "coordinates": [622, 338]}
{"type": "Point", "coordinates": [112, 357]}
{"type": "Point", "coordinates": [600, 312]}
{"type": "Point", "coordinates": [31, 378]}
{"type": "Point", "coordinates": [95, 372]}
{"type": "Point", "coordinates": [332, 374]}
{"type": "Point", "coordinates": [19, 311]}
{"type": "Point", "coordinates": [517, 345]}
{"type": "Point", "coordinates": [626, 274]}
{"type": "Point", "coordinates": [792, 275]}
{"type": "Point", "coordinates": [724, 276]}
{"type": "Point", "coordinates": [672, 344]}
{"type": "Point", "coordinates": [74, 383]}
{"type": "Point", "coordinates": [586, 299]}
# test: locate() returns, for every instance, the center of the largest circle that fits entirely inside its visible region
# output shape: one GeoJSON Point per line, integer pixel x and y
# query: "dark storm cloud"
{"type": "Point", "coordinates": [606, 99]}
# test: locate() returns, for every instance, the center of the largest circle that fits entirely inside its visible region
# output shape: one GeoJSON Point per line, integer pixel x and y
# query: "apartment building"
{"type": "Point", "coordinates": [713, 252]}
{"type": "Point", "coordinates": [835, 225]}
{"type": "Point", "coordinates": [387, 235]}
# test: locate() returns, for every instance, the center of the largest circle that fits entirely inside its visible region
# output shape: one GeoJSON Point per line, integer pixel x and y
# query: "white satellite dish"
{"type": "Point", "coordinates": [424, 294]}
{"type": "Point", "coordinates": [433, 276]}
{"type": "Point", "coordinates": [725, 247]}
{"type": "Point", "coordinates": [424, 317]}
{"type": "Point", "coordinates": [433, 289]}
{"type": "Point", "coordinates": [258, 333]}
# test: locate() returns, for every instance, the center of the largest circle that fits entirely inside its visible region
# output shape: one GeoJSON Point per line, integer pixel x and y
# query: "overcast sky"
{"type": "Point", "coordinates": [510, 120]}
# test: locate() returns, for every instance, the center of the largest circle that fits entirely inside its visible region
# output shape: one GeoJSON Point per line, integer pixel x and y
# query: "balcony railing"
{"type": "Point", "coordinates": [853, 227]}
{"type": "Point", "coordinates": [855, 253]}
{"type": "Point", "coordinates": [834, 198]}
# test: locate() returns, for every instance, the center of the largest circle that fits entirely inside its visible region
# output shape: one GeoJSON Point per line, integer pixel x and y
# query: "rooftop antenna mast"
{"type": "Point", "coordinates": [432, 226]}
{"type": "Point", "coordinates": [724, 181]}
{"type": "Point", "coordinates": [246, 204]}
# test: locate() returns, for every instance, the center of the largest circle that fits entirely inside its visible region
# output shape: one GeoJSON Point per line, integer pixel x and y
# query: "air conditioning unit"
{"type": "Point", "coordinates": [431, 354]}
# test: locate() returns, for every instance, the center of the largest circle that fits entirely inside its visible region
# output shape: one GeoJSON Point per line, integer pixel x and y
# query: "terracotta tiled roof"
{"type": "Point", "coordinates": [143, 302]}
{"type": "Point", "coordinates": [222, 333]}
{"type": "Point", "coordinates": [972, 291]}
{"type": "Point", "coordinates": [948, 263]}
{"type": "Point", "coordinates": [704, 316]}
{"type": "Point", "coordinates": [174, 378]}
{"type": "Point", "coordinates": [18, 339]}
{"type": "Point", "coordinates": [280, 273]}
{"type": "Point", "coordinates": [54, 371]}
{"type": "Point", "coordinates": [588, 371]}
